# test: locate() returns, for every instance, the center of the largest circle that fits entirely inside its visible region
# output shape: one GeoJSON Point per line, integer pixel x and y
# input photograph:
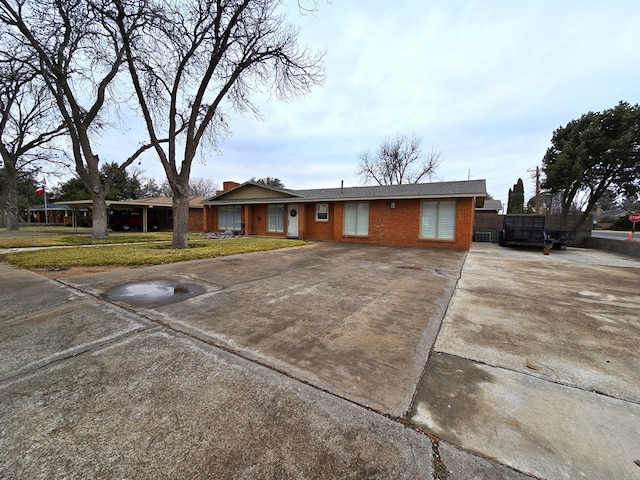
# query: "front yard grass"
{"type": "Point", "coordinates": [61, 239]}
{"type": "Point", "coordinates": [140, 254]}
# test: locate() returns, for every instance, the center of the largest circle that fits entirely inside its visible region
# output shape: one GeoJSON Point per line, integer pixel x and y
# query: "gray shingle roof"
{"type": "Point", "coordinates": [462, 188]}
{"type": "Point", "coordinates": [491, 205]}
{"type": "Point", "coordinates": [468, 188]}
{"type": "Point", "coordinates": [50, 206]}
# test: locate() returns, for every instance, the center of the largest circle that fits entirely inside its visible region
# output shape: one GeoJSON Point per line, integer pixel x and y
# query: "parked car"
{"type": "Point", "coordinates": [125, 220]}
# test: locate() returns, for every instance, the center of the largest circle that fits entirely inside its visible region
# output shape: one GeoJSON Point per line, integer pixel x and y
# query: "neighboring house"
{"type": "Point", "coordinates": [52, 213]}
{"type": "Point", "coordinates": [490, 207]}
{"type": "Point", "coordinates": [438, 214]}
{"type": "Point", "coordinates": [154, 211]}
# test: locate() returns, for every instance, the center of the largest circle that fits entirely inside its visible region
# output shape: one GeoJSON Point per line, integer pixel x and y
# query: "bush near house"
{"type": "Point", "coordinates": [622, 223]}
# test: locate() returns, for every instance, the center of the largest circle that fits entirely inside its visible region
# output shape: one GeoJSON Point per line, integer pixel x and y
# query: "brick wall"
{"type": "Point", "coordinates": [399, 225]}
{"type": "Point", "coordinates": [210, 218]}
{"type": "Point", "coordinates": [317, 230]}
{"type": "Point", "coordinates": [196, 220]}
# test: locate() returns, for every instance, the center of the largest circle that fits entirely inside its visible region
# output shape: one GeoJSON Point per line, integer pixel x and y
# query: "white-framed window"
{"type": "Point", "coordinates": [356, 218]}
{"type": "Point", "coordinates": [230, 217]}
{"type": "Point", "coordinates": [275, 220]}
{"type": "Point", "coordinates": [438, 220]}
{"type": "Point", "coordinates": [322, 212]}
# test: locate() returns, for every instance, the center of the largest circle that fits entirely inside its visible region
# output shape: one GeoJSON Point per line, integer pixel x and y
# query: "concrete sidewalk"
{"type": "Point", "coordinates": [310, 363]}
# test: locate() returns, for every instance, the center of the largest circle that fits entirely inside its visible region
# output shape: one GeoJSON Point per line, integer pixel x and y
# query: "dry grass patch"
{"type": "Point", "coordinates": [53, 240]}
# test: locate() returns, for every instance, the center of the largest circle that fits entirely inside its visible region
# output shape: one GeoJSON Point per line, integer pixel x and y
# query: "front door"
{"type": "Point", "coordinates": [292, 221]}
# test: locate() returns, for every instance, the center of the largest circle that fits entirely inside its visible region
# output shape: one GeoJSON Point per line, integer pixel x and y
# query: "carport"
{"type": "Point", "coordinates": [134, 205]}
{"type": "Point", "coordinates": [156, 210]}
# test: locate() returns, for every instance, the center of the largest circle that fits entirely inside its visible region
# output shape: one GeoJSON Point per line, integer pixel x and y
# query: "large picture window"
{"type": "Point", "coordinates": [356, 219]}
{"type": "Point", "coordinates": [275, 222]}
{"type": "Point", "coordinates": [230, 217]}
{"type": "Point", "coordinates": [438, 220]}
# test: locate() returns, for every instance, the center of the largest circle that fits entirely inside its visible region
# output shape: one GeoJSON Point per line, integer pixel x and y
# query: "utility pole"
{"type": "Point", "coordinates": [537, 200]}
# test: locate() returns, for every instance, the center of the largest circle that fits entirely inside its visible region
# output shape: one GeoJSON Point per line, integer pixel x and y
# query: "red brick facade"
{"type": "Point", "coordinates": [196, 219]}
{"type": "Point", "coordinates": [391, 222]}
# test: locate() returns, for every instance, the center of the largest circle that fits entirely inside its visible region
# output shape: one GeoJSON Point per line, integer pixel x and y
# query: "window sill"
{"type": "Point", "coordinates": [438, 240]}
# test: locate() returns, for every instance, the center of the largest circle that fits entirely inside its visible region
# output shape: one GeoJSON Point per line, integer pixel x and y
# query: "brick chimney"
{"type": "Point", "coordinates": [228, 185]}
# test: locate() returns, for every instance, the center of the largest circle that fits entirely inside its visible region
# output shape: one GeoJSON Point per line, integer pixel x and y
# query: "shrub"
{"type": "Point", "coordinates": [622, 223]}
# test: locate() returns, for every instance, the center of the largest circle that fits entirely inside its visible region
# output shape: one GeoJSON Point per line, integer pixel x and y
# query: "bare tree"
{"type": "Point", "coordinates": [202, 186]}
{"type": "Point", "coordinates": [398, 160]}
{"type": "Point", "coordinates": [27, 127]}
{"type": "Point", "coordinates": [194, 61]}
{"type": "Point", "coordinates": [78, 55]}
{"type": "Point", "coordinates": [150, 188]}
{"type": "Point", "coordinates": [197, 186]}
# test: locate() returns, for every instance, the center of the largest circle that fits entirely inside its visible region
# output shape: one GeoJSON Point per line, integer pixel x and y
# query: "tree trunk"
{"type": "Point", "coordinates": [11, 192]}
{"type": "Point", "coordinates": [99, 223]}
{"type": "Point", "coordinates": [180, 220]}
{"type": "Point", "coordinates": [11, 212]}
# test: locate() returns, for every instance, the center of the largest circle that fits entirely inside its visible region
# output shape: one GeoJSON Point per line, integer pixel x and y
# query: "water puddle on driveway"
{"type": "Point", "coordinates": [152, 292]}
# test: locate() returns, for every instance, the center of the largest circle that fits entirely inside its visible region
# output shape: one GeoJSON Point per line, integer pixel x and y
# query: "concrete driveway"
{"type": "Point", "coordinates": [356, 321]}
{"type": "Point", "coordinates": [310, 363]}
{"type": "Point", "coordinates": [538, 363]}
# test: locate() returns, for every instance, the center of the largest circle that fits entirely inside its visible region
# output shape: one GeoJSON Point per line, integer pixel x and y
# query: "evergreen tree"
{"type": "Point", "coordinates": [124, 186]}
{"type": "Point", "coordinates": [596, 154]}
{"type": "Point", "coordinates": [516, 198]}
{"type": "Point", "coordinates": [270, 181]}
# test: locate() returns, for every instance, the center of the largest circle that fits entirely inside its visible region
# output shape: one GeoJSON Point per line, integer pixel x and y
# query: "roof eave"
{"type": "Point", "coordinates": [287, 191]}
{"type": "Point", "coordinates": [258, 201]}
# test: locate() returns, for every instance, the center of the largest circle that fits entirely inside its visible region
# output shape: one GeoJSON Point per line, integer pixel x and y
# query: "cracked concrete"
{"type": "Point", "coordinates": [537, 363]}
{"type": "Point", "coordinates": [350, 320]}
{"type": "Point", "coordinates": [310, 363]}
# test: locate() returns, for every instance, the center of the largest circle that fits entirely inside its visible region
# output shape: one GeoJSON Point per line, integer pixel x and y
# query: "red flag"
{"type": "Point", "coordinates": [40, 190]}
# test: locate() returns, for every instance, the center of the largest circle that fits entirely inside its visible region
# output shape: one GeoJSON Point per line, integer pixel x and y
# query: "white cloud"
{"type": "Point", "coordinates": [486, 82]}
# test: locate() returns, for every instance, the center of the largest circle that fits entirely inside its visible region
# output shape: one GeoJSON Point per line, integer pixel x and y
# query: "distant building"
{"type": "Point", "coordinates": [490, 207]}
{"type": "Point", "coordinates": [52, 213]}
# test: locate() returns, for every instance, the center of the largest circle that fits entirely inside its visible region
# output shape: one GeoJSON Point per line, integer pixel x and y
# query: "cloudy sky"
{"type": "Point", "coordinates": [485, 82]}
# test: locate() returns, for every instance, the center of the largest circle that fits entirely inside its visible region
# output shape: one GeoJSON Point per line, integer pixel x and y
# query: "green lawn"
{"type": "Point", "coordinates": [158, 252]}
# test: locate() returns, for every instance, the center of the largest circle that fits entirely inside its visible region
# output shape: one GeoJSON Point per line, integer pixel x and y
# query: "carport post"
{"type": "Point", "coordinates": [144, 219]}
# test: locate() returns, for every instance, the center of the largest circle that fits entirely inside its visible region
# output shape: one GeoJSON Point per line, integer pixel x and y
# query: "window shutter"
{"type": "Point", "coordinates": [362, 227]}
{"type": "Point", "coordinates": [447, 220]}
{"type": "Point", "coordinates": [429, 220]}
{"type": "Point", "coordinates": [237, 217]}
{"type": "Point", "coordinates": [350, 216]}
